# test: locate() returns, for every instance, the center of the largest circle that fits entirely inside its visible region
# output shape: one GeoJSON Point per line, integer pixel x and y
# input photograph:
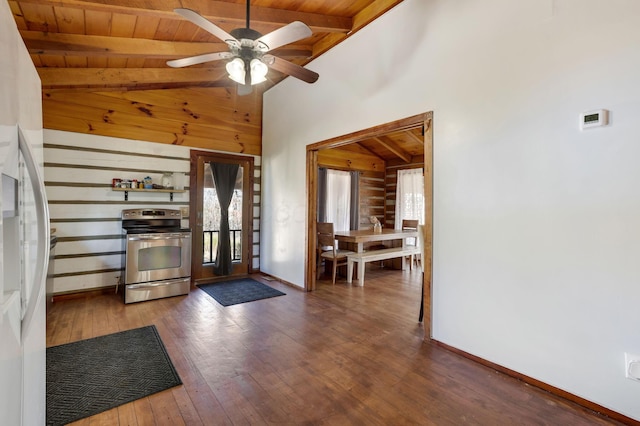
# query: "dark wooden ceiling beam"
{"type": "Point", "coordinates": [365, 149]}
{"type": "Point", "coordinates": [415, 137]}
{"type": "Point", "coordinates": [372, 12]}
{"type": "Point", "coordinates": [219, 12]}
{"type": "Point", "coordinates": [42, 43]}
{"type": "Point", "coordinates": [362, 19]}
{"type": "Point", "coordinates": [106, 77]}
{"type": "Point", "coordinates": [388, 143]}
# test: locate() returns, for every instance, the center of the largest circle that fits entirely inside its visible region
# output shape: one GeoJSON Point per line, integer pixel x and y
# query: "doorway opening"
{"type": "Point", "coordinates": [421, 121]}
{"type": "Point", "coordinates": [206, 212]}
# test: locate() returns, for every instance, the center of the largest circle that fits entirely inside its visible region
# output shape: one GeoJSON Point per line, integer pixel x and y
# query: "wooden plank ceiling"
{"type": "Point", "coordinates": [103, 66]}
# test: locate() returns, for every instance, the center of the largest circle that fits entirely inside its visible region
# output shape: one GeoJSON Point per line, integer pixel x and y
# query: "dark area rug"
{"type": "Point", "coordinates": [94, 375]}
{"type": "Point", "coordinates": [239, 291]}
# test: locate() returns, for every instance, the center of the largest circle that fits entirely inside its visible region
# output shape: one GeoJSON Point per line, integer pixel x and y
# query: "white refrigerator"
{"type": "Point", "coordinates": [24, 233]}
{"type": "Point", "coordinates": [24, 253]}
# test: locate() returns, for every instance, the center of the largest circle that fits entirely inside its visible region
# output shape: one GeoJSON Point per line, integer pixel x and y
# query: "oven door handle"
{"type": "Point", "coordinates": [150, 285]}
{"type": "Point", "coordinates": [157, 237]}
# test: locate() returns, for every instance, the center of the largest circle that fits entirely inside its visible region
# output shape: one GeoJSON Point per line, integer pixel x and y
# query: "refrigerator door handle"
{"type": "Point", "coordinates": [42, 213]}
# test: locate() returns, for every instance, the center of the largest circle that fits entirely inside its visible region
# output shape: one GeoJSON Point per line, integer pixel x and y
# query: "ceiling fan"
{"type": "Point", "coordinates": [249, 61]}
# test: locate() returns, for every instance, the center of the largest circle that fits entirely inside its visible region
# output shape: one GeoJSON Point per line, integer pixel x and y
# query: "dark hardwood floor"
{"type": "Point", "coordinates": [341, 355]}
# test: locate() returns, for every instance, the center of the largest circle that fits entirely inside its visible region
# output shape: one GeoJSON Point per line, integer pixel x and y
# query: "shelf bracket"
{"type": "Point", "coordinates": [126, 195]}
{"type": "Point", "coordinates": [171, 196]}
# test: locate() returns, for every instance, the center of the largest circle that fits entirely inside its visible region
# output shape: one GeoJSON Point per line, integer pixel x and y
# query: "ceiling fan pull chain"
{"type": "Point", "coordinates": [248, 1]}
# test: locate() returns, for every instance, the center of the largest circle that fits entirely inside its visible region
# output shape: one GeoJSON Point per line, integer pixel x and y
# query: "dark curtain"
{"type": "Point", "coordinates": [354, 214]}
{"type": "Point", "coordinates": [322, 194]}
{"type": "Point", "coordinates": [224, 177]}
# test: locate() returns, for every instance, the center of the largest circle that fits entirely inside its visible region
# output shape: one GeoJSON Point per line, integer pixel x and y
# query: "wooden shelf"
{"type": "Point", "coordinates": [169, 191]}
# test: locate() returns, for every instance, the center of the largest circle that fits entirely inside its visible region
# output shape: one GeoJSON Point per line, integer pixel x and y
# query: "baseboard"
{"type": "Point", "coordinates": [592, 406]}
{"type": "Point", "coordinates": [75, 294]}
{"type": "Point", "coordinates": [268, 278]}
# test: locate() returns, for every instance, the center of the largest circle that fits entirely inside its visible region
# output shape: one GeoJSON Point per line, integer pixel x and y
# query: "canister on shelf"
{"type": "Point", "coordinates": [178, 181]}
{"type": "Point", "coordinates": [167, 180]}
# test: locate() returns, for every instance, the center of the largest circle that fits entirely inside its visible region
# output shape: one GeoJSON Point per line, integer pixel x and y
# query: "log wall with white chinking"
{"type": "Point", "coordinates": [85, 211]}
{"type": "Point", "coordinates": [372, 197]}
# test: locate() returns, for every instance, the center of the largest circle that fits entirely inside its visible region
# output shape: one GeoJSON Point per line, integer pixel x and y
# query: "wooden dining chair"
{"type": "Point", "coordinates": [410, 225]}
{"type": "Point", "coordinates": [327, 248]}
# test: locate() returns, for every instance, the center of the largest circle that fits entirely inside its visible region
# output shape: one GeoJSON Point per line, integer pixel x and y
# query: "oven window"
{"type": "Point", "coordinates": [161, 257]}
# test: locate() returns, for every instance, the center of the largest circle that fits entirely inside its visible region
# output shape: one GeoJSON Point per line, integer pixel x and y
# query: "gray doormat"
{"type": "Point", "coordinates": [239, 291]}
{"type": "Point", "coordinates": [94, 375]}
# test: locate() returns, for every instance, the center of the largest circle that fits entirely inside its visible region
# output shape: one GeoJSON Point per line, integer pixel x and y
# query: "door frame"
{"type": "Point", "coordinates": [197, 160]}
{"type": "Point", "coordinates": [425, 121]}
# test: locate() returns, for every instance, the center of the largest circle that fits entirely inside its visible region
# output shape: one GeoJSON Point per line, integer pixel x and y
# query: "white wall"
{"type": "Point", "coordinates": [536, 223]}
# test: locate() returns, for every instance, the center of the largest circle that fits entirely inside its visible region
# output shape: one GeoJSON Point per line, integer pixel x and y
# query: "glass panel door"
{"type": "Point", "coordinates": [205, 216]}
{"type": "Point", "coordinates": [211, 217]}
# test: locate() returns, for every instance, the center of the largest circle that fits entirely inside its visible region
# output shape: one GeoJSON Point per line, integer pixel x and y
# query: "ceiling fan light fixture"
{"type": "Point", "coordinates": [236, 70]}
{"type": "Point", "coordinates": [248, 51]}
{"type": "Point", "coordinates": [258, 71]}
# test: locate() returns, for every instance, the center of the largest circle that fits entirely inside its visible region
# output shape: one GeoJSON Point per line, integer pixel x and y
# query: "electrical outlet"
{"type": "Point", "coordinates": [184, 211]}
{"type": "Point", "coordinates": [632, 366]}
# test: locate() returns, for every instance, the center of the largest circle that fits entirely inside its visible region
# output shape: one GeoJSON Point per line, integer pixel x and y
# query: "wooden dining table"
{"type": "Point", "coordinates": [356, 239]}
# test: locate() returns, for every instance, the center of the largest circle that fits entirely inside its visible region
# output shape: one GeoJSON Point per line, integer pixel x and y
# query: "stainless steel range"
{"type": "Point", "coordinates": [157, 254]}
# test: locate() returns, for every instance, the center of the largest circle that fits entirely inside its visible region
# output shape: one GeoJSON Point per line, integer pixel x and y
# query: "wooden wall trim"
{"type": "Point", "coordinates": [427, 261]}
{"type": "Point", "coordinates": [393, 126]}
{"type": "Point", "coordinates": [592, 406]}
{"type": "Point", "coordinates": [310, 267]}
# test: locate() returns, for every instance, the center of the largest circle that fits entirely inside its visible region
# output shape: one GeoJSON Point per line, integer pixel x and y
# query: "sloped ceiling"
{"type": "Point", "coordinates": [103, 66]}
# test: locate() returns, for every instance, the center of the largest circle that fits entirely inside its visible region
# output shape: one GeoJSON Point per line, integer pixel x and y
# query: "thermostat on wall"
{"type": "Point", "coordinates": [595, 118]}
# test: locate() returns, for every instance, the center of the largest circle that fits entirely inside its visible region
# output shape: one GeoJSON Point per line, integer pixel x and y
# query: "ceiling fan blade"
{"type": "Point", "coordinates": [291, 69]}
{"type": "Point", "coordinates": [193, 60]}
{"type": "Point", "coordinates": [288, 34]}
{"type": "Point", "coordinates": [244, 89]}
{"type": "Point", "coordinates": [205, 24]}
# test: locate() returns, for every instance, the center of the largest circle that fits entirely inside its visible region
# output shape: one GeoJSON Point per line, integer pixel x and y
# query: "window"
{"type": "Point", "coordinates": [211, 218]}
{"type": "Point", "coordinates": [338, 194]}
{"type": "Point", "coordinates": [338, 202]}
{"type": "Point", "coordinates": [409, 196]}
